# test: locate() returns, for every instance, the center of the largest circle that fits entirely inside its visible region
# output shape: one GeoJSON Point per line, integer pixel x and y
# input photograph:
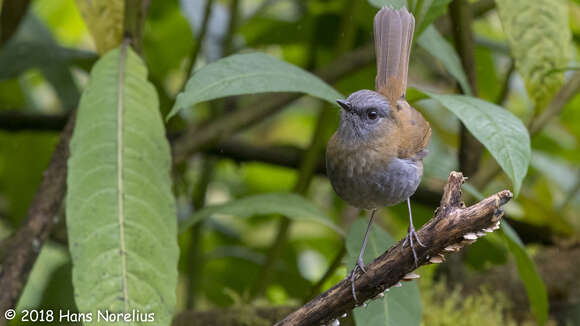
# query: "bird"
{"type": "Point", "coordinates": [375, 157]}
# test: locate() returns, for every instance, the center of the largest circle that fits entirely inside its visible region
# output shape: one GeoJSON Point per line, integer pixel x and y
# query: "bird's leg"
{"type": "Point", "coordinates": [412, 234]}
{"type": "Point", "coordinates": [359, 262]}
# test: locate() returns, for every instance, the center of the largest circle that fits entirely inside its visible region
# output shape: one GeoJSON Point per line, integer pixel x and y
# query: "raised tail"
{"type": "Point", "coordinates": [393, 39]}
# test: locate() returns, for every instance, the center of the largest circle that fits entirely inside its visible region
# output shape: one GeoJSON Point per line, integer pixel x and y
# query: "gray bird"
{"type": "Point", "coordinates": [375, 157]}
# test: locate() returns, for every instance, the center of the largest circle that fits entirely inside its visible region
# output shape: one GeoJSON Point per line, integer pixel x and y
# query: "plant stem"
{"type": "Point", "coordinates": [470, 149]}
{"type": "Point", "coordinates": [198, 42]}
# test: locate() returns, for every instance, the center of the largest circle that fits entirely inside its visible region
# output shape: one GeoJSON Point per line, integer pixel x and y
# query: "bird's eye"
{"type": "Point", "coordinates": [372, 114]}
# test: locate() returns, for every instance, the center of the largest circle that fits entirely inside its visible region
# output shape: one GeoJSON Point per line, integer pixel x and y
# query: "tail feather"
{"type": "Point", "coordinates": [393, 38]}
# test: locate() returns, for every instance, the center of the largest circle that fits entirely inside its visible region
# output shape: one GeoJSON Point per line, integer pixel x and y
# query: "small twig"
{"type": "Point", "coordinates": [505, 86]}
{"type": "Point", "coordinates": [200, 37]}
{"type": "Point", "coordinates": [134, 23]}
{"type": "Point", "coordinates": [452, 227]}
{"type": "Point", "coordinates": [26, 243]}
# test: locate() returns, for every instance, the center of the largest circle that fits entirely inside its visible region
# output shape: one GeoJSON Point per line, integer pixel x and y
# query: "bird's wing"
{"type": "Point", "coordinates": [393, 38]}
{"type": "Point", "coordinates": [414, 131]}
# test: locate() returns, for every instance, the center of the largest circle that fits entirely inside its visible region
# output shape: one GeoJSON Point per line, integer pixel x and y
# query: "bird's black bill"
{"type": "Point", "coordinates": [344, 104]}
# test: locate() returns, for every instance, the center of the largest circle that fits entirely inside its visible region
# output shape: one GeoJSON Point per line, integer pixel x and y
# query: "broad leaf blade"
{"type": "Point", "coordinates": [121, 219]}
{"type": "Point", "coordinates": [539, 27]}
{"type": "Point", "coordinates": [249, 74]}
{"type": "Point", "coordinates": [290, 205]}
{"type": "Point", "coordinates": [438, 47]}
{"type": "Point", "coordinates": [400, 306]}
{"type": "Point", "coordinates": [535, 287]}
{"type": "Point", "coordinates": [502, 133]}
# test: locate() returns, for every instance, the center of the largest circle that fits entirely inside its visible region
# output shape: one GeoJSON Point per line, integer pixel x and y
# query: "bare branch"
{"type": "Point", "coordinates": [452, 227]}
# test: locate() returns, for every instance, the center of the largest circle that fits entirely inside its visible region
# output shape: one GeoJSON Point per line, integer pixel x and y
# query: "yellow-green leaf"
{"type": "Point", "coordinates": [539, 39]}
{"type": "Point", "coordinates": [104, 19]}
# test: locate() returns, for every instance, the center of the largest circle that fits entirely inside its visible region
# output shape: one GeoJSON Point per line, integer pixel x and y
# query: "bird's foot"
{"type": "Point", "coordinates": [358, 266]}
{"type": "Point", "coordinates": [411, 237]}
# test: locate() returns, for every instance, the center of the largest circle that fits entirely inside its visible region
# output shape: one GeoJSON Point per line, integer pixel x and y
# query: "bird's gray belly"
{"type": "Point", "coordinates": [365, 186]}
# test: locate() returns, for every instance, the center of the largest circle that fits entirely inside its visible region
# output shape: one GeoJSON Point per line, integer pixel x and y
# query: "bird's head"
{"type": "Point", "coordinates": [364, 116]}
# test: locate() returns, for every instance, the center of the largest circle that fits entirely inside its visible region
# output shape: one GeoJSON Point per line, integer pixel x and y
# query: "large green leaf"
{"type": "Point", "coordinates": [539, 27]}
{"type": "Point", "coordinates": [502, 133]}
{"type": "Point", "coordinates": [248, 74]}
{"type": "Point", "coordinates": [533, 283]}
{"type": "Point", "coordinates": [122, 225]}
{"type": "Point", "coordinates": [399, 306]}
{"type": "Point", "coordinates": [438, 47]}
{"type": "Point", "coordinates": [291, 205]}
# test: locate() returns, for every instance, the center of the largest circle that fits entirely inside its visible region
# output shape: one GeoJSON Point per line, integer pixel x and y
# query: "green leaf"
{"type": "Point", "coordinates": [248, 74]}
{"type": "Point", "coordinates": [539, 27]}
{"type": "Point", "coordinates": [121, 219]}
{"type": "Point", "coordinates": [438, 47]}
{"type": "Point", "coordinates": [290, 205]}
{"type": "Point", "coordinates": [535, 287]}
{"type": "Point", "coordinates": [399, 306]}
{"type": "Point", "coordinates": [503, 134]}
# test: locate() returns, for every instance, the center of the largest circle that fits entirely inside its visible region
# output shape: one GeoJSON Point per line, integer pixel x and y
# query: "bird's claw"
{"type": "Point", "coordinates": [359, 265]}
{"type": "Point", "coordinates": [409, 238]}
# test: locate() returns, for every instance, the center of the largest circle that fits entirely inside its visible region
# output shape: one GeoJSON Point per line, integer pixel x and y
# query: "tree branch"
{"type": "Point", "coordinates": [452, 227]}
{"type": "Point", "coordinates": [26, 243]}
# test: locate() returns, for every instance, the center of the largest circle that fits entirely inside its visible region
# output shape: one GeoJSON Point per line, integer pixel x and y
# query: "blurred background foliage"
{"type": "Point", "coordinates": [229, 262]}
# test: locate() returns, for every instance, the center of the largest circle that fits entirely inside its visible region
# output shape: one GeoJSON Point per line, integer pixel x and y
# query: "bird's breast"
{"type": "Point", "coordinates": [366, 178]}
